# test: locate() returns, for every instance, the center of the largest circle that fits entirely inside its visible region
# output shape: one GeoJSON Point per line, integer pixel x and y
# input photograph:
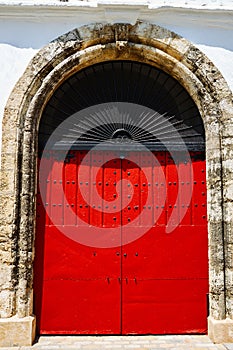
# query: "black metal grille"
{"type": "Point", "coordinates": [124, 81]}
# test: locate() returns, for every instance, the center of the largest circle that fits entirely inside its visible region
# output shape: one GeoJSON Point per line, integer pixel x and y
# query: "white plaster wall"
{"type": "Point", "coordinates": [25, 29]}
{"type": "Point", "coordinates": [28, 26]}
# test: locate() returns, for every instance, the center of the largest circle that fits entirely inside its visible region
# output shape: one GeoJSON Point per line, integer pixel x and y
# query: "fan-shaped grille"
{"type": "Point", "coordinates": [166, 103]}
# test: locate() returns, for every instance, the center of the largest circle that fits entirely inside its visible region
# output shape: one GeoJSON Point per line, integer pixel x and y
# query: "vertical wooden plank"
{"type": "Point", "coordinates": [131, 188]}
{"type": "Point", "coordinates": [126, 192]}
{"type": "Point", "coordinates": [172, 191]}
{"type": "Point", "coordinates": [56, 199]}
{"type": "Point", "coordinates": [96, 178]}
{"type": "Point", "coordinates": [185, 189]}
{"type": "Point", "coordinates": [83, 193]}
{"type": "Point", "coordinates": [70, 189]}
{"type": "Point", "coordinates": [199, 215]}
{"type": "Point", "coordinates": [112, 198]}
{"type": "Point", "coordinates": [146, 189]}
{"type": "Point", "coordinates": [159, 183]}
{"type": "Point", "coordinates": [134, 175]}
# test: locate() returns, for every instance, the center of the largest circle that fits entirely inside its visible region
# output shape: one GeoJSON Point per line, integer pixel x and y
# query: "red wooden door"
{"type": "Point", "coordinates": [77, 287]}
{"type": "Point", "coordinates": [165, 275]}
{"type": "Point", "coordinates": [154, 284]}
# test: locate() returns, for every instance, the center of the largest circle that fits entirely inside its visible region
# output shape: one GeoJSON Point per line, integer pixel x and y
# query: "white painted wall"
{"type": "Point", "coordinates": [25, 29]}
{"type": "Point", "coordinates": [33, 26]}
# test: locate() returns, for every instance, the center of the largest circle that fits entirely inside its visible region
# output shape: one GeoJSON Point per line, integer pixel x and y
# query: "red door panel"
{"type": "Point", "coordinates": [164, 308]}
{"type": "Point", "coordinates": [165, 275]}
{"type": "Point", "coordinates": [156, 284]}
{"type": "Point", "coordinates": [165, 282]}
{"type": "Point", "coordinates": [77, 288]}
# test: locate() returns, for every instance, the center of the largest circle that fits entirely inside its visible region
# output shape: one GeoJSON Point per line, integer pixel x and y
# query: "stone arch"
{"type": "Point", "coordinates": [82, 47]}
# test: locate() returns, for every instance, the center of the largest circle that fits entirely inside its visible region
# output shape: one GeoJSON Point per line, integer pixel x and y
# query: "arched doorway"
{"type": "Point", "coordinates": [114, 121]}
{"type": "Point", "coordinates": [78, 49]}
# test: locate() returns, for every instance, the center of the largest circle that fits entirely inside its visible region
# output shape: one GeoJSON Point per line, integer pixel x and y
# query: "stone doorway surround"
{"type": "Point", "coordinates": [82, 47]}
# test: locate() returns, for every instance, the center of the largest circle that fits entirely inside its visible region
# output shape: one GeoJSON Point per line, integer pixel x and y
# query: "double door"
{"type": "Point", "coordinates": [121, 244]}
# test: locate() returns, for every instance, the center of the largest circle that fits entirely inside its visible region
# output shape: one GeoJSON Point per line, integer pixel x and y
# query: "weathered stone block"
{"type": "Point", "coordinates": [6, 274]}
{"type": "Point", "coordinates": [7, 180]}
{"type": "Point", "coordinates": [178, 47]}
{"type": "Point", "coordinates": [16, 331]}
{"type": "Point", "coordinates": [220, 331]}
{"type": "Point", "coordinates": [7, 303]}
{"type": "Point", "coordinates": [217, 305]}
{"type": "Point", "coordinates": [7, 206]}
{"type": "Point", "coordinates": [149, 34]}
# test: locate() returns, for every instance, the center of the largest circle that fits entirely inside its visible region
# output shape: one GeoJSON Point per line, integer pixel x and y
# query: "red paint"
{"type": "Point", "coordinates": [156, 284]}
